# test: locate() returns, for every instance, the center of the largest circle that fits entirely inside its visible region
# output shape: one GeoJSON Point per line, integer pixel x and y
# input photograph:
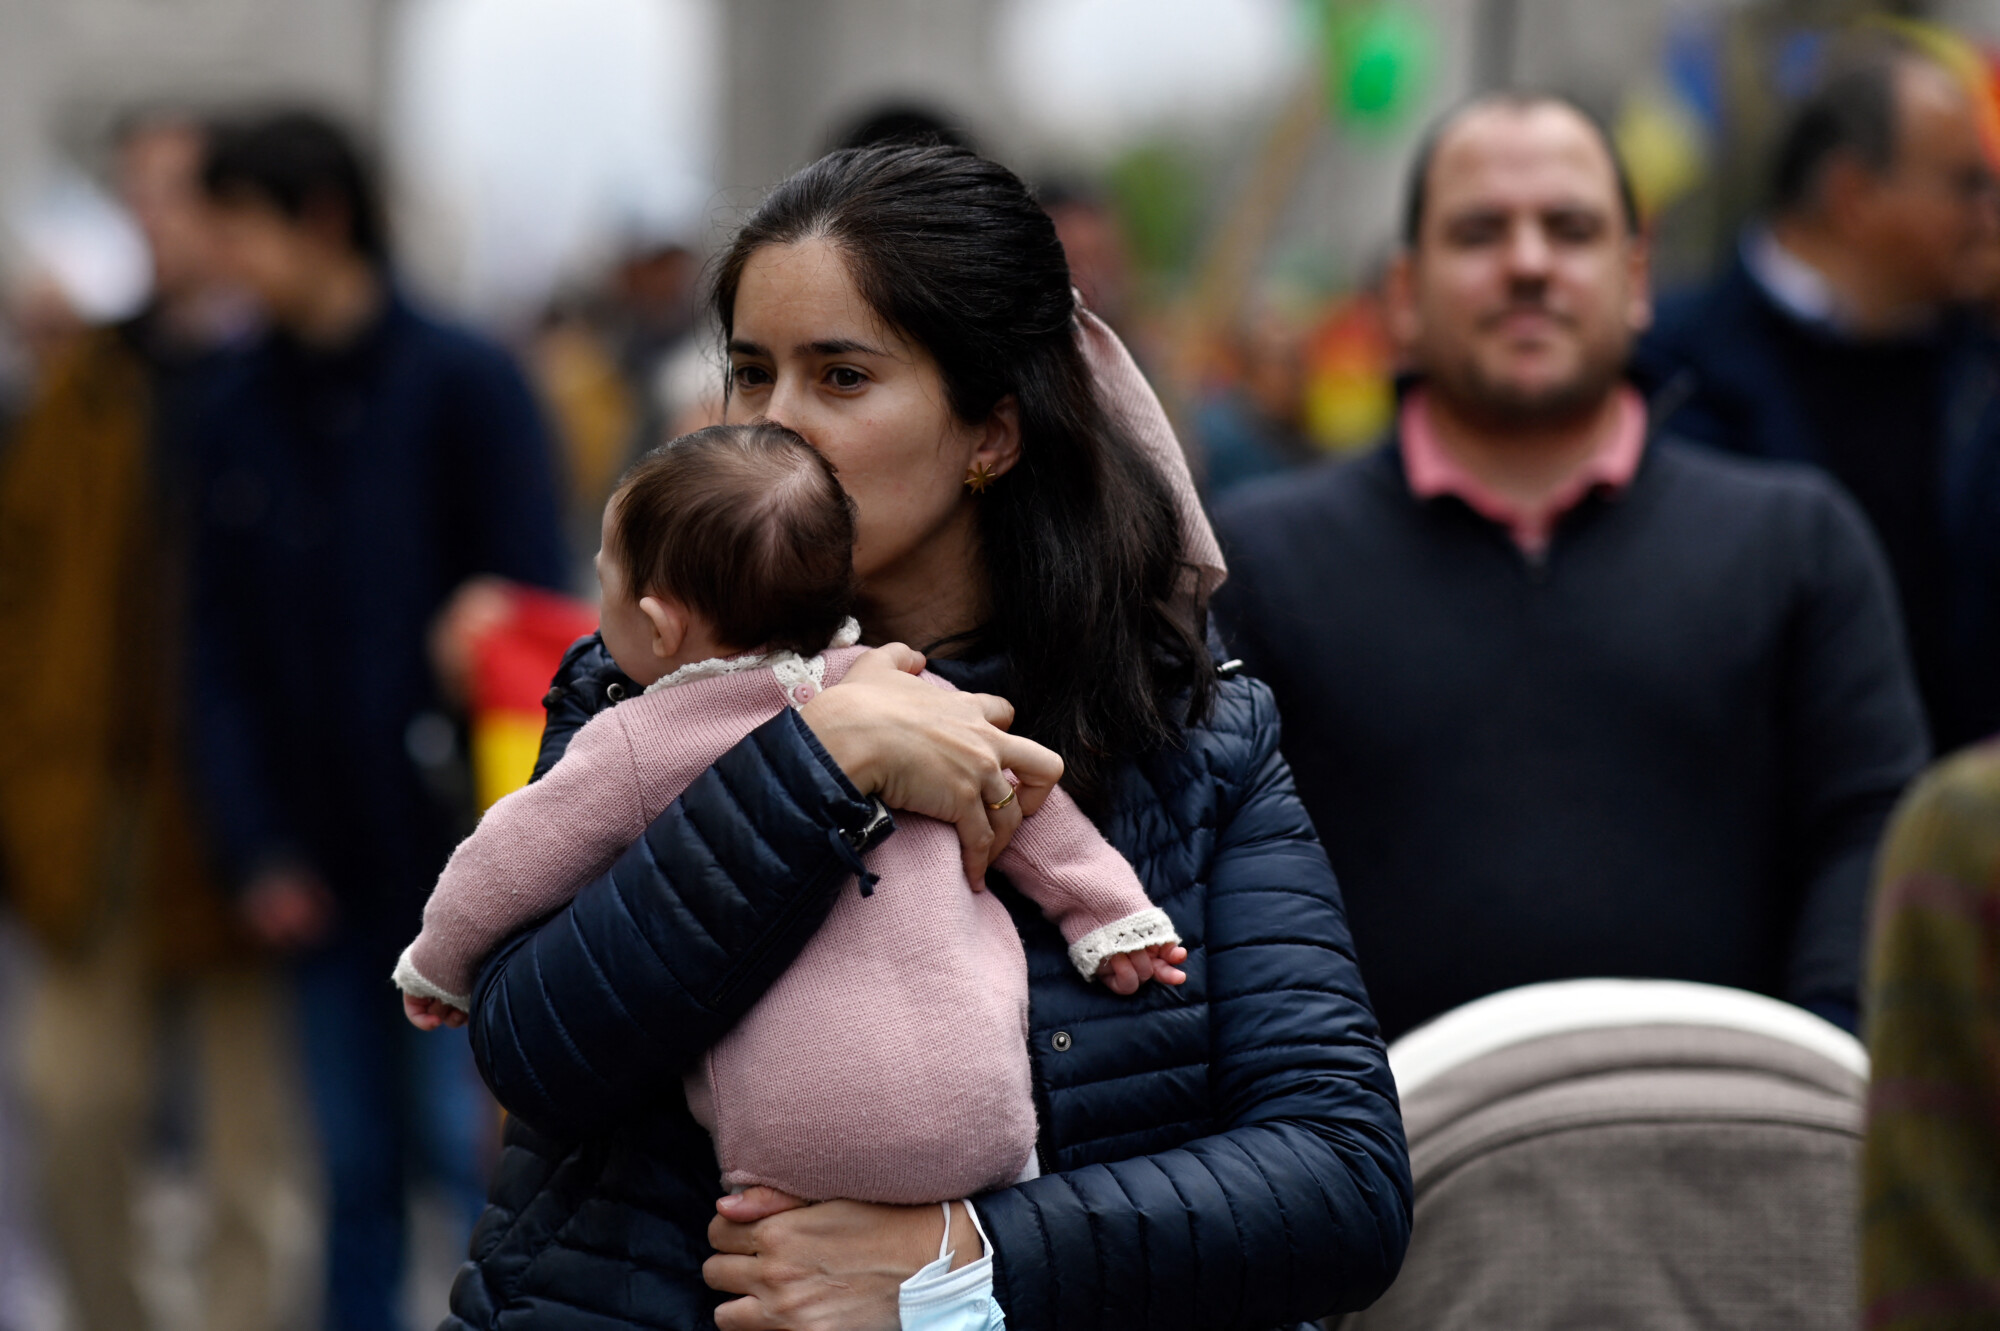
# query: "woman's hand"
{"type": "Point", "coordinates": [829, 1266]}
{"type": "Point", "coordinates": [933, 751]}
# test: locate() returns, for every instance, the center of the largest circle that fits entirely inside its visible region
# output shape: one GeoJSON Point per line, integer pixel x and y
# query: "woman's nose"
{"type": "Point", "coordinates": [785, 406]}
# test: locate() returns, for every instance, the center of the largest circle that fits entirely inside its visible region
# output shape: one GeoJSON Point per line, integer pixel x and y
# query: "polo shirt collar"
{"type": "Point", "coordinates": [1432, 472]}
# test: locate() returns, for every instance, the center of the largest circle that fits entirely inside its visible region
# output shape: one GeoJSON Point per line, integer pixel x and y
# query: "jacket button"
{"type": "Point", "coordinates": [553, 696]}
{"type": "Point", "coordinates": [1061, 1041]}
{"type": "Point", "coordinates": [615, 692]}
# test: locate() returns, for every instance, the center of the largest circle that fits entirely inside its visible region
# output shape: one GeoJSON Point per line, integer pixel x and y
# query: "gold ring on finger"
{"type": "Point", "coordinates": [1005, 802]}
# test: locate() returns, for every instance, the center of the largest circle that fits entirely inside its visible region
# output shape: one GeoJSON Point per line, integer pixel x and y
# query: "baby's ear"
{"type": "Point", "coordinates": [669, 619]}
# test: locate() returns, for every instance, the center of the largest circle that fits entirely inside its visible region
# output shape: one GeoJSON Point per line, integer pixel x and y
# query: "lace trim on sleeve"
{"type": "Point", "coordinates": [411, 982]}
{"type": "Point", "coordinates": [1141, 929]}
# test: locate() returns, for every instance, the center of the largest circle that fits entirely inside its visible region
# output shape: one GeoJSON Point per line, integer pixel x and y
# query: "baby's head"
{"type": "Point", "coordinates": [731, 539]}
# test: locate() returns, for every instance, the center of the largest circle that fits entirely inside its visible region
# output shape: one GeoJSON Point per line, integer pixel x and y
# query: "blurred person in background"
{"type": "Point", "coordinates": [1835, 338]}
{"type": "Point", "coordinates": [1100, 262]}
{"type": "Point", "coordinates": [363, 466]}
{"type": "Point", "coordinates": [648, 318]}
{"type": "Point", "coordinates": [611, 366]}
{"type": "Point", "coordinates": [104, 855]}
{"type": "Point", "coordinates": [1252, 423]}
{"type": "Point", "coordinates": [901, 122]}
{"type": "Point", "coordinates": [1564, 702]}
{"type": "Point", "coordinates": [42, 325]}
{"type": "Point", "coordinates": [1930, 1231]}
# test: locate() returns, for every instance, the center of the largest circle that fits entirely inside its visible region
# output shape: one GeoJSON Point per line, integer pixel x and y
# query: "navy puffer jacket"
{"type": "Point", "coordinates": [1223, 1154]}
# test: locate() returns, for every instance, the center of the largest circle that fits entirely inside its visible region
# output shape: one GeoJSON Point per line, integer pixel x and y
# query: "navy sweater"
{"type": "Point", "coordinates": [1911, 427]}
{"type": "Point", "coordinates": [1667, 750]}
{"type": "Point", "coordinates": [342, 497]}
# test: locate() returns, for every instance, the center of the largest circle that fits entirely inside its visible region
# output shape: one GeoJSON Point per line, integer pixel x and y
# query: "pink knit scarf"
{"type": "Point", "coordinates": [1132, 403]}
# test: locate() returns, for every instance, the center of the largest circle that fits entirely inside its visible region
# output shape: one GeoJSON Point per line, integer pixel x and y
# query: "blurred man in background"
{"type": "Point", "coordinates": [615, 366]}
{"type": "Point", "coordinates": [103, 852]}
{"type": "Point", "coordinates": [1834, 339]}
{"type": "Point", "coordinates": [361, 467]}
{"type": "Point", "coordinates": [1561, 701]}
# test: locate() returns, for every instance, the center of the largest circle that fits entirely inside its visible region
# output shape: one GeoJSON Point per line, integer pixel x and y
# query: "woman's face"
{"type": "Point", "coordinates": [810, 354]}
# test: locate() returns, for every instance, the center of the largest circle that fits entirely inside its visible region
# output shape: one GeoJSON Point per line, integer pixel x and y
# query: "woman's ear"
{"type": "Point", "coordinates": [669, 619]}
{"type": "Point", "coordinates": [1000, 438]}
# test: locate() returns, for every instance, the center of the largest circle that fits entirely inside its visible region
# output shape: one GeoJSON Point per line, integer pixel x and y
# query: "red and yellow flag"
{"type": "Point", "coordinates": [513, 662]}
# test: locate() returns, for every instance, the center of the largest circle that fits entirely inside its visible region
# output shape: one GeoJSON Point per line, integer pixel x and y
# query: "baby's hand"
{"type": "Point", "coordinates": [1124, 972]}
{"type": "Point", "coordinates": [427, 1014]}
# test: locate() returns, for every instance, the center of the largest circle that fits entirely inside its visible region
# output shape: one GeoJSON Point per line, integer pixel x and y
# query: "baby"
{"type": "Point", "coordinates": [889, 1063]}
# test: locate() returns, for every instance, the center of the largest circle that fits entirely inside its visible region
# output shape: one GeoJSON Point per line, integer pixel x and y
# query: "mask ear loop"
{"type": "Point", "coordinates": [944, 1244]}
{"type": "Point", "coordinates": [985, 1244]}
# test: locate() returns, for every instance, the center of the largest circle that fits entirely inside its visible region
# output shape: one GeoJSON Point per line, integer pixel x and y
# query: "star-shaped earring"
{"type": "Point", "coordinates": [978, 476]}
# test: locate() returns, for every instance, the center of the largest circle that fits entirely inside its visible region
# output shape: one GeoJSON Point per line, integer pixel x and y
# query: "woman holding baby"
{"type": "Point", "coordinates": [1222, 1153]}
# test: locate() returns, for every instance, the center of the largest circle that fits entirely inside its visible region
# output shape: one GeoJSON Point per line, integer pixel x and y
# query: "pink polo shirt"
{"type": "Point", "coordinates": [1433, 471]}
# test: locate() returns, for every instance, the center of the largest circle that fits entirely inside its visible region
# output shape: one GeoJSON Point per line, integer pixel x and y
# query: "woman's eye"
{"type": "Point", "coordinates": [750, 376]}
{"type": "Point", "coordinates": [845, 377]}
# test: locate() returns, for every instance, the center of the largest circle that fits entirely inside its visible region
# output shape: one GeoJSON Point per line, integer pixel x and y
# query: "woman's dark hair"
{"type": "Point", "coordinates": [298, 162]}
{"type": "Point", "coordinates": [1081, 539]}
{"type": "Point", "coordinates": [747, 526]}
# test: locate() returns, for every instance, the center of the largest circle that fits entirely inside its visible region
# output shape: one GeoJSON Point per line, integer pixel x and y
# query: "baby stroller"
{"type": "Point", "coordinates": [1628, 1154]}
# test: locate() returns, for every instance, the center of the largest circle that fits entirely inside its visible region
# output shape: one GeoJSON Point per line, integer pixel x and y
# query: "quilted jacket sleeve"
{"type": "Point", "coordinates": [597, 1010]}
{"type": "Point", "coordinates": [1299, 1203]}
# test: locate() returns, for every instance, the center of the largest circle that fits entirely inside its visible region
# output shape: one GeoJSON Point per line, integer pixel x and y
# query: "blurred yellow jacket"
{"type": "Point", "coordinates": [95, 818]}
{"type": "Point", "coordinates": [1930, 1186]}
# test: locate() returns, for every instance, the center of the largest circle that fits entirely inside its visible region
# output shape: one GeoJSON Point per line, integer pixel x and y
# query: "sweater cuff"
{"type": "Point", "coordinates": [862, 819]}
{"type": "Point", "coordinates": [411, 981]}
{"type": "Point", "coordinates": [1141, 929]}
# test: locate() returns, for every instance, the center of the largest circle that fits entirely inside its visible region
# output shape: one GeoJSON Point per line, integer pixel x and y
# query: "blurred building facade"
{"type": "Point", "coordinates": [67, 70]}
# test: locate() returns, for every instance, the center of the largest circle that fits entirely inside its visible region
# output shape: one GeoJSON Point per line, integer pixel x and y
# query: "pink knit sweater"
{"type": "Point", "coordinates": [890, 1062]}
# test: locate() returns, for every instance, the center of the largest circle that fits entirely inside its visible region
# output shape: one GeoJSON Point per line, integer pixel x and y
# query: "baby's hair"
{"type": "Point", "coordinates": [745, 525]}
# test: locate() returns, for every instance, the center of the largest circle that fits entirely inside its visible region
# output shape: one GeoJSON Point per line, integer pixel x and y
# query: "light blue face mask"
{"type": "Point", "coordinates": [938, 1298]}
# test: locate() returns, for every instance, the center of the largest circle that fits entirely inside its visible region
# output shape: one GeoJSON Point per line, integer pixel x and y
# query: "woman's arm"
{"type": "Point", "coordinates": [603, 1005]}
{"type": "Point", "coordinates": [1300, 1205]}
{"type": "Point", "coordinates": [599, 1008]}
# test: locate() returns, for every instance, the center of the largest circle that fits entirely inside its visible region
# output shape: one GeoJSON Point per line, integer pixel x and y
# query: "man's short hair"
{"type": "Point", "coordinates": [294, 162]}
{"type": "Point", "coordinates": [1852, 113]}
{"type": "Point", "coordinates": [902, 122]}
{"type": "Point", "coordinates": [1416, 189]}
{"type": "Point", "coordinates": [748, 527]}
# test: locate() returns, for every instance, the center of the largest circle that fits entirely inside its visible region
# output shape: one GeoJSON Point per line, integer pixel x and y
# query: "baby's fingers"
{"type": "Point", "coordinates": [427, 1014]}
{"type": "Point", "coordinates": [1118, 974]}
{"type": "Point", "coordinates": [419, 1012]}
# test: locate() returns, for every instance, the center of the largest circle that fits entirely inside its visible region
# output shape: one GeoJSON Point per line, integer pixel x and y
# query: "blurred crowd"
{"type": "Point", "coordinates": [249, 535]}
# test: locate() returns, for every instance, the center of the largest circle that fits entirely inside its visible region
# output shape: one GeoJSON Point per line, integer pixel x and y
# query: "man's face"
{"type": "Point", "coordinates": [159, 178]}
{"type": "Point", "coordinates": [1520, 298]}
{"type": "Point", "coordinates": [1923, 222]}
{"type": "Point", "coordinates": [273, 256]}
